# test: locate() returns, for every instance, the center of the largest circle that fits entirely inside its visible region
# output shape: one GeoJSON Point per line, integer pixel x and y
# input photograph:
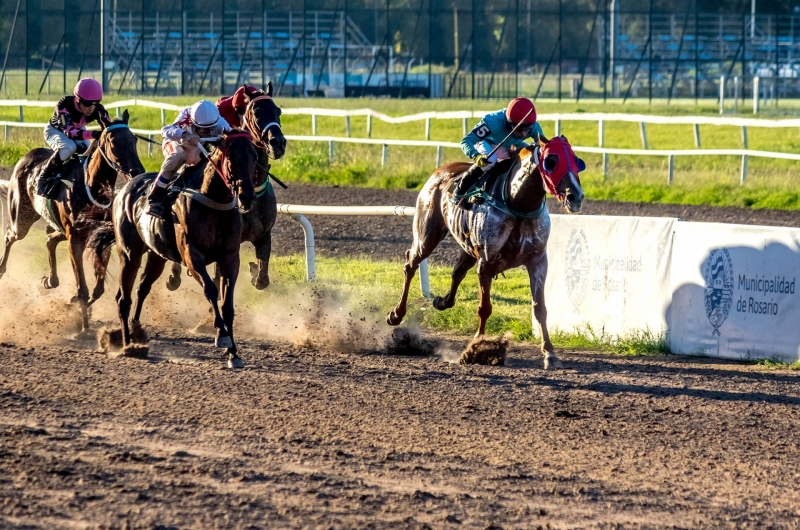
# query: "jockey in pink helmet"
{"type": "Point", "coordinates": [66, 130]}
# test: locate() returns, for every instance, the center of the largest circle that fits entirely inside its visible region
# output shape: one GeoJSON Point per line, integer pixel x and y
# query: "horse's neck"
{"type": "Point", "coordinates": [98, 173]}
{"type": "Point", "coordinates": [213, 186]}
{"type": "Point", "coordinates": [525, 189]}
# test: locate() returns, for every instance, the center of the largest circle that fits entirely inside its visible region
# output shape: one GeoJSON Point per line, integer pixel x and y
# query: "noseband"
{"type": "Point", "coordinates": [251, 125]}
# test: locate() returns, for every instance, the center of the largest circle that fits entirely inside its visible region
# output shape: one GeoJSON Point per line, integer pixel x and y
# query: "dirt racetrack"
{"type": "Point", "coordinates": [321, 436]}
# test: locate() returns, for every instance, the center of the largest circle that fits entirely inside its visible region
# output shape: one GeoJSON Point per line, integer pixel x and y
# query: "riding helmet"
{"type": "Point", "coordinates": [204, 114]}
{"type": "Point", "coordinates": [88, 89]}
{"type": "Point", "coordinates": [517, 110]}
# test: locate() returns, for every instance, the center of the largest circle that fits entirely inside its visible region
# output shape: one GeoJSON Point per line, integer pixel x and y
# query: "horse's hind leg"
{"type": "Point", "coordinates": [485, 275]}
{"type": "Point", "coordinates": [414, 257]}
{"type": "Point", "coordinates": [153, 269]}
{"type": "Point", "coordinates": [77, 244]}
{"type": "Point", "coordinates": [537, 273]}
{"type": "Point", "coordinates": [129, 262]}
{"type": "Point", "coordinates": [21, 217]}
{"type": "Point", "coordinates": [463, 265]}
{"type": "Point", "coordinates": [53, 239]}
{"type": "Point", "coordinates": [100, 269]}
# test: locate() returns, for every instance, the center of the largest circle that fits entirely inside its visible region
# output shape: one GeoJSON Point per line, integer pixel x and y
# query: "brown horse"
{"type": "Point", "coordinates": [86, 196]}
{"type": "Point", "coordinates": [263, 120]}
{"type": "Point", "coordinates": [205, 228]}
{"type": "Point", "coordinates": [509, 229]}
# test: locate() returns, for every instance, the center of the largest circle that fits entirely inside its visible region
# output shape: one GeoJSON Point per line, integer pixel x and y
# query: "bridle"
{"type": "Point", "coordinates": [113, 165]}
{"type": "Point", "coordinates": [251, 125]}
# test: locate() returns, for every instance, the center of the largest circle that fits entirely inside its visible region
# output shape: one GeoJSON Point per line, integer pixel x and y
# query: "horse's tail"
{"type": "Point", "coordinates": [100, 241]}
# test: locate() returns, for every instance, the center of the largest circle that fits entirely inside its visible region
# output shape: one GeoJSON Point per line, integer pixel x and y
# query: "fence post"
{"type": "Point", "coordinates": [150, 145]}
{"type": "Point", "coordinates": [369, 125]}
{"type": "Point", "coordinates": [21, 113]}
{"type": "Point", "coordinates": [558, 128]}
{"type": "Point", "coordinates": [330, 151]}
{"type": "Point", "coordinates": [464, 125]}
{"type": "Point", "coordinates": [743, 177]}
{"type": "Point", "coordinates": [755, 94]}
{"type": "Point", "coordinates": [736, 94]}
{"type": "Point", "coordinates": [744, 137]}
{"type": "Point", "coordinates": [163, 117]}
{"type": "Point", "coordinates": [5, 132]}
{"type": "Point", "coordinates": [384, 154]}
{"type": "Point", "coordinates": [722, 94]}
{"type": "Point", "coordinates": [643, 135]}
{"type": "Point", "coordinates": [697, 135]}
{"type": "Point", "coordinates": [117, 112]}
{"type": "Point", "coordinates": [427, 128]}
{"type": "Point", "coordinates": [601, 141]}
{"type": "Point", "coordinates": [438, 156]}
{"type": "Point", "coordinates": [314, 124]}
{"type": "Point", "coordinates": [308, 235]}
{"type": "Point", "coordinates": [347, 125]}
{"type": "Point", "coordinates": [671, 163]}
{"type": "Point", "coordinates": [424, 279]}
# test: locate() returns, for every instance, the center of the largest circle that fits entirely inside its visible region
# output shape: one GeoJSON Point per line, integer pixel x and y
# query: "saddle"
{"type": "Point", "coordinates": [491, 189]}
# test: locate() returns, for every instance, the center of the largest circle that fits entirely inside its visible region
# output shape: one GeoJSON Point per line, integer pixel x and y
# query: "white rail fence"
{"type": "Point", "coordinates": [601, 118]}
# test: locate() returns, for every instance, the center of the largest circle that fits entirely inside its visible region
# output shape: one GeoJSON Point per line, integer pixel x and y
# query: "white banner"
{"type": "Point", "coordinates": [735, 291]}
{"type": "Point", "coordinates": [611, 273]}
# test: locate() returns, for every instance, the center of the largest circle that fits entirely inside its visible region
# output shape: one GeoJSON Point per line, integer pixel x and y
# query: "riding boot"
{"type": "Point", "coordinates": [468, 179]}
{"type": "Point", "coordinates": [156, 200]}
{"type": "Point", "coordinates": [48, 182]}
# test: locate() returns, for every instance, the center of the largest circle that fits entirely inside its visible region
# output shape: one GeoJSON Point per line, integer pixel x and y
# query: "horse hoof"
{"type": "Point", "coordinates": [235, 363]}
{"type": "Point", "coordinates": [438, 303]}
{"type": "Point", "coordinates": [173, 282]}
{"type": "Point", "coordinates": [392, 319]}
{"type": "Point", "coordinates": [223, 342]}
{"type": "Point", "coordinates": [551, 361]}
{"type": "Point", "coordinates": [50, 284]}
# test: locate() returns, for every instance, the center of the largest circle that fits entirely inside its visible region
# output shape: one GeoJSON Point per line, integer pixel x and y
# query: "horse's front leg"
{"type": "Point", "coordinates": [53, 239]}
{"type": "Point", "coordinates": [537, 273]}
{"type": "Point", "coordinates": [77, 244]}
{"type": "Point", "coordinates": [197, 269]}
{"type": "Point", "coordinates": [259, 273]}
{"type": "Point", "coordinates": [463, 265]}
{"type": "Point", "coordinates": [228, 274]}
{"type": "Point", "coordinates": [485, 275]}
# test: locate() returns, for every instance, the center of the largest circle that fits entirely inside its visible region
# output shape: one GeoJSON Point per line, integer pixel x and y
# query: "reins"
{"type": "Point", "coordinates": [221, 169]}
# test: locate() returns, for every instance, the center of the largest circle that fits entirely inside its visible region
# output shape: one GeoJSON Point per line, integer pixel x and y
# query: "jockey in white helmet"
{"type": "Point", "coordinates": [180, 146]}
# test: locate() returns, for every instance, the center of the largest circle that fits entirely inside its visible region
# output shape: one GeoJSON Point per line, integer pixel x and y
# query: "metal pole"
{"type": "Point", "coordinates": [696, 52]}
{"type": "Point", "coordinates": [697, 135]}
{"type": "Point", "coordinates": [755, 94]}
{"type": "Point", "coordinates": [222, 51]}
{"type": "Point", "coordinates": [472, 52]}
{"type": "Point", "coordinates": [388, 45]}
{"type": "Point", "coordinates": [27, 30]}
{"type": "Point", "coordinates": [643, 134]}
{"type": "Point", "coordinates": [263, 40]}
{"type": "Point", "coordinates": [777, 60]}
{"type": "Point", "coordinates": [303, 94]}
{"type": "Point", "coordinates": [650, 55]}
{"type": "Point", "coordinates": [722, 94]}
{"type": "Point", "coordinates": [743, 175]}
{"type": "Point", "coordinates": [560, 43]}
{"type": "Point", "coordinates": [85, 46]}
{"type": "Point", "coordinates": [64, 52]}
{"type": "Point", "coordinates": [671, 164]}
{"type": "Point", "coordinates": [344, 53]}
{"type": "Point", "coordinates": [516, 49]}
{"type": "Point", "coordinates": [183, 48]}
{"type": "Point", "coordinates": [144, 71]}
{"type": "Point", "coordinates": [8, 46]}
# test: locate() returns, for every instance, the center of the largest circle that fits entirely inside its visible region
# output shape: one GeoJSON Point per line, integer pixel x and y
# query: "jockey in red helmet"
{"type": "Point", "coordinates": [232, 108]}
{"type": "Point", "coordinates": [489, 133]}
{"type": "Point", "coordinates": [66, 131]}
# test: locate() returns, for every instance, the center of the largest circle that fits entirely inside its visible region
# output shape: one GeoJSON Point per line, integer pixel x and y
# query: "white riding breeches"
{"type": "Point", "coordinates": [58, 141]}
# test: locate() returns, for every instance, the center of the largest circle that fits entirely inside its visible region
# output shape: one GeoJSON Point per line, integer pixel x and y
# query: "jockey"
{"type": "Point", "coordinates": [232, 108]}
{"type": "Point", "coordinates": [66, 130]}
{"type": "Point", "coordinates": [181, 146]}
{"type": "Point", "coordinates": [489, 133]}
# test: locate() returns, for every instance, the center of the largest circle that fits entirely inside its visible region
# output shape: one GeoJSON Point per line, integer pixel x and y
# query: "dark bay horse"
{"type": "Point", "coordinates": [510, 229]}
{"type": "Point", "coordinates": [86, 196]}
{"type": "Point", "coordinates": [205, 228]}
{"type": "Point", "coordinates": [263, 120]}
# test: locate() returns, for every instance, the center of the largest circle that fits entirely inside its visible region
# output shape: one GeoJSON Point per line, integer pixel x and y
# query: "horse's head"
{"type": "Point", "coordinates": [559, 168]}
{"type": "Point", "coordinates": [263, 119]}
{"type": "Point", "coordinates": [235, 162]}
{"type": "Point", "coordinates": [117, 145]}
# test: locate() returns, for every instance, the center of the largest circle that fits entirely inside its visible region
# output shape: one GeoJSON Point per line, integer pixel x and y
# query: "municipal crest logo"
{"type": "Point", "coordinates": [577, 267]}
{"type": "Point", "coordinates": [718, 274]}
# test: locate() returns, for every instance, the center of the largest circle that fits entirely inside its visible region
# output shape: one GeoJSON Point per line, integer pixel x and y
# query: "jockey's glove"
{"type": "Point", "coordinates": [189, 138]}
{"type": "Point", "coordinates": [480, 160]}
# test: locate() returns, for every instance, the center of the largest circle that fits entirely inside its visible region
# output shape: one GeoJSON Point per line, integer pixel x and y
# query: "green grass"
{"type": "Point", "coordinates": [698, 180]}
{"type": "Point", "coordinates": [777, 364]}
{"type": "Point", "coordinates": [374, 288]}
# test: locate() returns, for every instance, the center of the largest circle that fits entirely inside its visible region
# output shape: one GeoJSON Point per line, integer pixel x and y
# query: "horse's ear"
{"type": "Point", "coordinates": [125, 116]}
{"type": "Point", "coordinates": [269, 89]}
{"type": "Point", "coordinates": [247, 92]}
{"type": "Point", "coordinates": [564, 138]}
